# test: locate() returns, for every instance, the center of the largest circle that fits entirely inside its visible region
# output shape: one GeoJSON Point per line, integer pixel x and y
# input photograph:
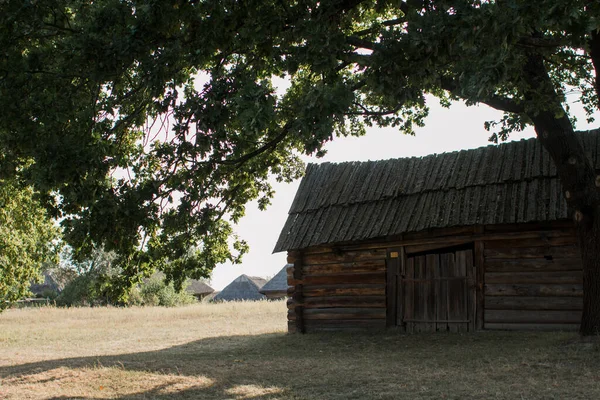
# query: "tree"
{"type": "Point", "coordinates": [28, 239]}
{"type": "Point", "coordinates": [150, 124]}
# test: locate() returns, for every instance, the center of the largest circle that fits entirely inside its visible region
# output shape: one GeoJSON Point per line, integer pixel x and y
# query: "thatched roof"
{"type": "Point", "coordinates": [514, 182]}
{"type": "Point", "coordinates": [51, 282]}
{"type": "Point", "coordinates": [197, 287]}
{"type": "Point", "coordinates": [242, 288]}
{"type": "Point", "coordinates": [277, 284]}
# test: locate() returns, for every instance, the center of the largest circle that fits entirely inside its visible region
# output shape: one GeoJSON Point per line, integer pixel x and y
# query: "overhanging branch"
{"type": "Point", "coordinates": [501, 103]}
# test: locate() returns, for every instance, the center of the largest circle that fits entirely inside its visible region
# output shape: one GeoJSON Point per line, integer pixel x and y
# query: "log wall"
{"type": "Point", "coordinates": [527, 277]}
{"type": "Point", "coordinates": [533, 283]}
{"type": "Point", "coordinates": [340, 290]}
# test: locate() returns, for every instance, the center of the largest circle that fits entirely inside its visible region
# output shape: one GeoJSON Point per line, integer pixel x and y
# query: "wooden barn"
{"type": "Point", "coordinates": [464, 241]}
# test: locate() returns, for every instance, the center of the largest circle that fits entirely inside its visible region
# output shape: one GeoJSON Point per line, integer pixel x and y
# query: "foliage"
{"type": "Point", "coordinates": [155, 292]}
{"type": "Point", "coordinates": [149, 125]}
{"type": "Point", "coordinates": [28, 239]}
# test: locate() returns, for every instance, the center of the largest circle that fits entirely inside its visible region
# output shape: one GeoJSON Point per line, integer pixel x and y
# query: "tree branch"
{"type": "Point", "coordinates": [362, 43]}
{"type": "Point", "coordinates": [371, 113]}
{"type": "Point", "coordinates": [505, 104]}
{"type": "Point", "coordinates": [391, 22]}
{"type": "Point", "coordinates": [267, 146]}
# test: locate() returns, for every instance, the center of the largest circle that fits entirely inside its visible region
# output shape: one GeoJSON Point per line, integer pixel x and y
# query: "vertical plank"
{"type": "Point", "coordinates": [480, 268]}
{"type": "Point", "coordinates": [400, 287]}
{"type": "Point", "coordinates": [431, 265]}
{"type": "Point", "coordinates": [408, 309]}
{"type": "Point", "coordinates": [442, 296]}
{"type": "Point", "coordinates": [414, 327]}
{"type": "Point", "coordinates": [391, 289]}
{"type": "Point", "coordinates": [437, 294]}
{"type": "Point", "coordinates": [453, 293]}
{"type": "Point", "coordinates": [462, 286]}
{"type": "Point", "coordinates": [470, 289]}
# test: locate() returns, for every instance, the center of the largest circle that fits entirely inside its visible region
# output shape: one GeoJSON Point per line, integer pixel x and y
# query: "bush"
{"type": "Point", "coordinates": [154, 292]}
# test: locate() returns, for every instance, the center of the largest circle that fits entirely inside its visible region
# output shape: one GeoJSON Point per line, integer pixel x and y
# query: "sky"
{"type": "Point", "coordinates": [456, 128]}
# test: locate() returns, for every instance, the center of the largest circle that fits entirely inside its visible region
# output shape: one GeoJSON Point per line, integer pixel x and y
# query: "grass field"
{"type": "Point", "coordinates": [241, 351]}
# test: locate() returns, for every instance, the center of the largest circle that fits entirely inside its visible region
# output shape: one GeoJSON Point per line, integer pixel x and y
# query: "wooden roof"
{"type": "Point", "coordinates": [244, 287]}
{"type": "Point", "coordinates": [514, 182]}
{"type": "Point", "coordinates": [278, 283]}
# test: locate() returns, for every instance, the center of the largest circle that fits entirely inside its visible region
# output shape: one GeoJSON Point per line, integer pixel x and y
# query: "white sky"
{"type": "Point", "coordinates": [459, 127]}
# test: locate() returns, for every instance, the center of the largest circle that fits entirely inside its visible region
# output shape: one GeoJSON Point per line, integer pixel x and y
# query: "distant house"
{"type": "Point", "coordinates": [195, 287]}
{"type": "Point", "coordinates": [244, 287]}
{"type": "Point", "coordinates": [198, 289]}
{"type": "Point", "coordinates": [476, 239]}
{"type": "Point", "coordinates": [52, 284]}
{"type": "Point", "coordinates": [277, 287]}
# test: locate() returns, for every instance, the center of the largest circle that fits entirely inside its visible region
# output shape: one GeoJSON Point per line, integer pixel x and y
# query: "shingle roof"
{"type": "Point", "coordinates": [278, 283]}
{"type": "Point", "coordinates": [514, 182]}
{"type": "Point", "coordinates": [242, 288]}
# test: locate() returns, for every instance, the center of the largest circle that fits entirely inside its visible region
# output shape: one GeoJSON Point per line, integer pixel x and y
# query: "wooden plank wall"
{"type": "Point", "coordinates": [534, 283]}
{"type": "Point", "coordinates": [527, 277]}
{"type": "Point", "coordinates": [340, 290]}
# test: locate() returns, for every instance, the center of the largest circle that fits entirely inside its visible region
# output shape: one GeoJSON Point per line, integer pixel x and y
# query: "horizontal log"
{"type": "Point", "coordinates": [466, 237]}
{"type": "Point", "coordinates": [532, 264]}
{"type": "Point", "coordinates": [343, 313]}
{"type": "Point", "coordinates": [344, 256]}
{"type": "Point", "coordinates": [533, 303]}
{"type": "Point", "coordinates": [532, 317]}
{"type": "Point", "coordinates": [420, 248]}
{"type": "Point", "coordinates": [540, 241]}
{"type": "Point", "coordinates": [535, 277]}
{"type": "Point", "coordinates": [348, 267]}
{"type": "Point", "coordinates": [533, 290]}
{"type": "Point", "coordinates": [567, 251]}
{"type": "Point", "coordinates": [531, 327]}
{"type": "Point", "coordinates": [342, 301]}
{"type": "Point", "coordinates": [341, 279]}
{"type": "Point", "coordinates": [553, 228]}
{"type": "Point", "coordinates": [344, 325]}
{"type": "Point", "coordinates": [344, 290]}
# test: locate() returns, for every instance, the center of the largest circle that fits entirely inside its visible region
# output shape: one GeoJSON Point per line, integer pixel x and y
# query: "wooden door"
{"type": "Point", "coordinates": [436, 292]}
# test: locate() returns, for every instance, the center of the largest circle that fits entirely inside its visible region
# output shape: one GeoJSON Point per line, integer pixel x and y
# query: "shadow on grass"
{"type": "Point", "coordinates": [340, 366]}
{"type": "Point", "coordinates": [236, 367]}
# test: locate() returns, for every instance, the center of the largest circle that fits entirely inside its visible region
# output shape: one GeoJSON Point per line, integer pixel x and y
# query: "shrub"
{"type": "Point", "coordinates": [154, 292]}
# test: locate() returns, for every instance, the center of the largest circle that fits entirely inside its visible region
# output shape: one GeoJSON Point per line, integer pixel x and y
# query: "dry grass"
{"type": "Point", "coordinates": [240, 351]}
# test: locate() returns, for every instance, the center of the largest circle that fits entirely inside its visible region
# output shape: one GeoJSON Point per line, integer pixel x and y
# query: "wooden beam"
{"type": "Point", "coordinates": [393, 261]}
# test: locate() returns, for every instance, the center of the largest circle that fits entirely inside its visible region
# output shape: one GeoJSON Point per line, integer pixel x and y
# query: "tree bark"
{"type": "Point", "coordinates": [578, 178]}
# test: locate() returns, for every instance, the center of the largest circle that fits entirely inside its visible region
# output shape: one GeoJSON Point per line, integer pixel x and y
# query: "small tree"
{"type": "Point", "coordinates": [28, 239]}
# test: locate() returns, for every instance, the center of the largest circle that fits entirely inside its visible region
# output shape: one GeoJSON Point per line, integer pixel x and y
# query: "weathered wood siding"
{"type": "Point", "coordinates": [524, 277]}
{"type": "Point", "coordinates": [533, 283]}
{"type": "Point", "coordinates": [340, 290]}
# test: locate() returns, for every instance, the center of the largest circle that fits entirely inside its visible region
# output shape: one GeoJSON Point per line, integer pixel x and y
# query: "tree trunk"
{"type": "Point", "coordinates": [588, 234]}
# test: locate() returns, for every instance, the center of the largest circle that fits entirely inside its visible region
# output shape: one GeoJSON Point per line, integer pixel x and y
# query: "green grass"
{"type": "Point", "coordinates": [240, 351]}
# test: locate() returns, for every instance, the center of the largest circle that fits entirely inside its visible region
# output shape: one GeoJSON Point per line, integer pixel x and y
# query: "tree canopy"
{"type": "Point", "coordinates": [147, 125]}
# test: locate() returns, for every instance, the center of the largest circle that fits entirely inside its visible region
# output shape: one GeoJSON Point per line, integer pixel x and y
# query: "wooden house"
{"type": "Point", "coordinates": [242, 288]}
{"type": "Point", "coordinates": [463, 241]}
{"type": "Point", "coordinates": [277, 286]}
